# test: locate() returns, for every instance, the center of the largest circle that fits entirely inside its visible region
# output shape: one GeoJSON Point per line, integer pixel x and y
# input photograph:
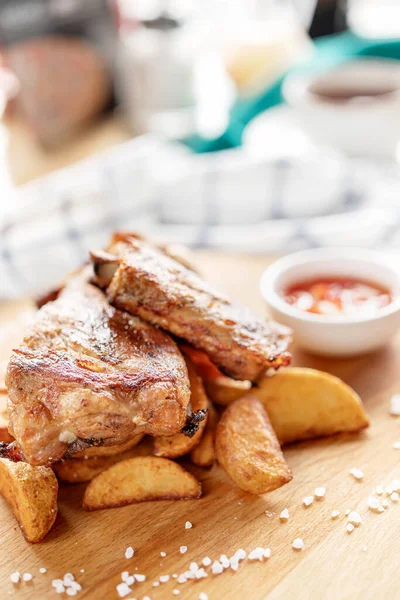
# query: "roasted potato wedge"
{"type": "Point", "coordinates": [306, 403]}
{"type": "Point", "coordinates": [248, 450]}
{"type": "Point", "coordinates": [138, 480]}
{"type": "Point", "coordinates": [5, 436]}
{"type": "Point", "coordinates": [31, 493]}
{"type": "Point", "coordinates": [79, 470]}
{"type": "Point", "coordinates": [179, 444]}
{"type": "Point", "coordinates": [97, 451]}
{"type": "Point", "coordinates": [203, 455]}
{"type": "Point", "coordinates": [219, 388]}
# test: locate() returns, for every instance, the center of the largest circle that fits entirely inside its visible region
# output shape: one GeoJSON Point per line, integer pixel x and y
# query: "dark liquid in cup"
{"type": "Point", "coordinates": [335, 93]}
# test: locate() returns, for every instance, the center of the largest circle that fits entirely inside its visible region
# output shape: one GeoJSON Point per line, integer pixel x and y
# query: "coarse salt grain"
{"type": "Point", "coordinates": [354, 518]}
{"type": "Point", "coordinates": [320, 493]}
{"type": "Point", "coordinates": [183, 549]}
{"type": "Point", "coordinates": [385, 504]}
{"type": "Point", "coordinates": [308, 500]}
{"type": "Point", "coordinates": [350, 528]}
{"type": "Point", "coordinates": [256, 554]}
{"type": "Point", "coordinates": [164, 578]}
{"type": "Point", "coordinates": [27, 577]}
{"type": "Point", "coordinates": [335, 514]}
{"type": "Point", "coordinates": [206, 561]}
{"type": "Point", "coordinates": [156, 583]}
{"type": "Point", "coordinates": [15, 577]}
{"type": "Point", "coordinates": [395, 405]}
{"type": "Point", "coordinates": [298, 544]}
{"type": "Point", "coordinates": [139, 578]}
{"type": "Point", "coordinates": [163, 554]}
{"type": "Point", "coordinates": [224, 560]}
{"type": "Point", "coordinates": [347, 512]}
{"type": "Point", "coordinates": [379, 490]}
{"type": "Point", "coordinates": [267, 552]}
{"type": "Point", "coordinates": [123, 590]}
{"type": "Point", "coordinates": [176, 592]}
{"type": "Point", "coordinates": [284, 516]}
{"type": "Point", "coordinates": [193, 567]}
{"type": "Point", "coordinates": [124, 575]}
{"type": "Point", "coordinates": [357, 473]}
{"type": "Point", "coordinates": [42, 570]}
{"type": "Point", "coordinates": [203, 596]}
{"type": "Point", "coordinates": [216, 567]}
{"type": "Point", "coordinates": [396, 445]}
{"type": "Point", "coordinates": [364, 548]}
{"type": "Point", "coordinates": [181, 578]}
{"type": "Point", "coordinates": [200, 573]}
{"type": "Point", "coordinates": [129, 552]}
{"type": "Point", "coordinates": [394, 497]}
{"type": "Point", "coordinates": [188, 525]}
{"type": "Point", "coordinates": [240, 554]}
{"type": "Point", "coordinates": [396, 485]}
{"type": "Point", "coordinates": [82, 570]}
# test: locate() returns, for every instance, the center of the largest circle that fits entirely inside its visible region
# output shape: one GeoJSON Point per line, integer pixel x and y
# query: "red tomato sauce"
{"type": "Point", "coordinates": [337, 295]}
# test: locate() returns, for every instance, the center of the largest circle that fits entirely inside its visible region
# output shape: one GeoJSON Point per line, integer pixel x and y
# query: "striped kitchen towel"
{"type": "Point", "coordinates": [225, 200]}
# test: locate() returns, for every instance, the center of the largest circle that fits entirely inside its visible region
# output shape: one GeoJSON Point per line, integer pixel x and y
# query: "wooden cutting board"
{"type": "Point", "coordinates": [333, 565]}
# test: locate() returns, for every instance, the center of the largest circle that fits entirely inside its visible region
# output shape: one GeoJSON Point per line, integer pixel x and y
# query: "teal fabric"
{"type": "Point", "coordinates": [329, 51]}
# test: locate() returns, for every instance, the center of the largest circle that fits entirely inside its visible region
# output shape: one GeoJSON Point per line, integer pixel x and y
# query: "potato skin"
{"type": "Point", "coordinates": [303, 404]}
{"type": "Point", "coordinates": [248, 450]}
{"type": "Point", "coordinates": [31, 493]}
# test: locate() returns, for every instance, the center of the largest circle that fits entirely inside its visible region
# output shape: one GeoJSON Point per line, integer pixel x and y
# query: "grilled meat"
{"type": "Point", "coordinates": [87, 373]}
{"type": "Point", "coordinates": [145, 281]}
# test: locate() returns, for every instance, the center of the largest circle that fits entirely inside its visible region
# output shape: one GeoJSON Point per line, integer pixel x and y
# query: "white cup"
{"type": "Point", "coordinates": [365, 123]}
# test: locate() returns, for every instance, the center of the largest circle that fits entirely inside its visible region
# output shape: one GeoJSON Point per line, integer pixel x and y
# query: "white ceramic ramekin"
{"type": "Point", "coordinates": [340, 335]}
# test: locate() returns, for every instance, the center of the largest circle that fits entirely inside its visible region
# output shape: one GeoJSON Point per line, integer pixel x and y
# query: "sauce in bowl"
{"type": "Point", "coordinates": [337, 296]}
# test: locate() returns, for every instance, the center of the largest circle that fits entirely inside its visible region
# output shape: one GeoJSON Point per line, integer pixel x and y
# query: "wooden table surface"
{"type": "Point", "coordinates": [333, 565]}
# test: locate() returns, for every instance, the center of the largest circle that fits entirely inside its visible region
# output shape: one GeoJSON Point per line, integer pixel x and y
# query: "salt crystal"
{"type": "Point", "coordinates": [267, 553]}
{"type": "Point", "coordinates": [357, 473]}
{"type": "Point", "coordinates": [193, 567]}
{"type": "Point", "coordinates": [396, 445]}
{"type": "Point", "coordinates": [379, 490]}
{"type": "Point", "coordinates": [298, 544]}
{"type": "Point", "coordinates": [181, 579]}
{"type": "Point", "coordinates": [27, 577]}
{"type": "Point", "coordinates": [183, 549]}
{"type": "Point", "coordinates": [129, 552]}
{"type": "Point", "coordinates": [350, 527]}
{"type": "Point", "coordinates": [163, 554]}
{"type": "Point", "coordinates": [256, 554]}
{"type": "Point", "coordinates": [124, 575]}
{"type": "Point", "coordinates": [364, 548]}
{"type": "Point", "coordinates": [156, 583]}
{"type": "Point", "coordinates": [320, 492]}
{"type": "Point", "coordinates": [395, 405]}
{"type": "Point", "coordinates": [15, 577]}
{"type": "Point", "coordinates": [284, 516]}
{"type": "Point", "coordinates": [176, 592]}
{"type": "Point", "coordinates": [200, 573]}
{"type": "Point", "coordinates": [140, 577]}
{"type": "Point", "coordinates": [203, 596]}
{"type": "Point", "coordinates": [188, 525]}
{"type": "Point", "coordinates": [42, 570]}
{"type": "Point", "coordinates": [164, 578]}
{"type": "Point", "coordinates": [385, 504]}
{"type": "Point", "coordinates": [216, 567]}
{"type": "Point", "coordinates": [308, 500]}
{"type": "Point", "coordinates": [394, 497]}
{"type": "Point", "coordinates": [206, 561]}
{"type": "Point", "coordinates": [335, 514]}
{"type": "Point", "coordinates": [123, 590]}
{"type": "Point", "coordinates": [396, 485]}
{"type": "Point", "coordinates": [224, 560]}
{"type": "Point", "coordinates": [354, 518]}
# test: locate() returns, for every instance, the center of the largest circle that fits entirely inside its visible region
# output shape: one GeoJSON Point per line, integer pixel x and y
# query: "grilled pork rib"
{"type": "Point", "coordinates": [88, 373]}
{"type": "Point", "coordinates": [145, 281]}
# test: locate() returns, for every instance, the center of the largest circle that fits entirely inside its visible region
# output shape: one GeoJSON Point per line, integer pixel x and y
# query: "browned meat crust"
{"type": "Point", "coordinates": [149, 283]}
{"type": "Point", "coordinates": [87, 373]}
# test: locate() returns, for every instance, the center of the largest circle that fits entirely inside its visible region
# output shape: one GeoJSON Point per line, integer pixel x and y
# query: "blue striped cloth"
{"type": "Point", "coordinates": [225, 200]}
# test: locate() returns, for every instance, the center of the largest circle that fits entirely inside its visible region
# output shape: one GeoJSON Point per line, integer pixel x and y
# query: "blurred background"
{"type": "Point", "coordinates": [254, 126]}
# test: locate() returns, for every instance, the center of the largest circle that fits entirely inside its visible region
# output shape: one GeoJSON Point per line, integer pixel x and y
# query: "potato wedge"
{"type": "Point", "coordinates": [179, 444]}
{"type": "Point", "coordinates": [223, 390]}
{"type": "Point", "coordinates": [219, 388]}
{"type": "Point", "coordinates": [31, 493]}
{"type": "Point", "coordinates": [97, 451]}
{"type": "Point", "coordinates": [248, 450]}
{"type": "Point", "coordinates": [79, 470]}
{"type": "Point", "coordinates": [138, 480]}
{"type": "Point", "coordinates": [305, 403]}
{"type": "Point", "coordinates": [203, 455]}
{"type": "Point", "coordinates": [5, 436]}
